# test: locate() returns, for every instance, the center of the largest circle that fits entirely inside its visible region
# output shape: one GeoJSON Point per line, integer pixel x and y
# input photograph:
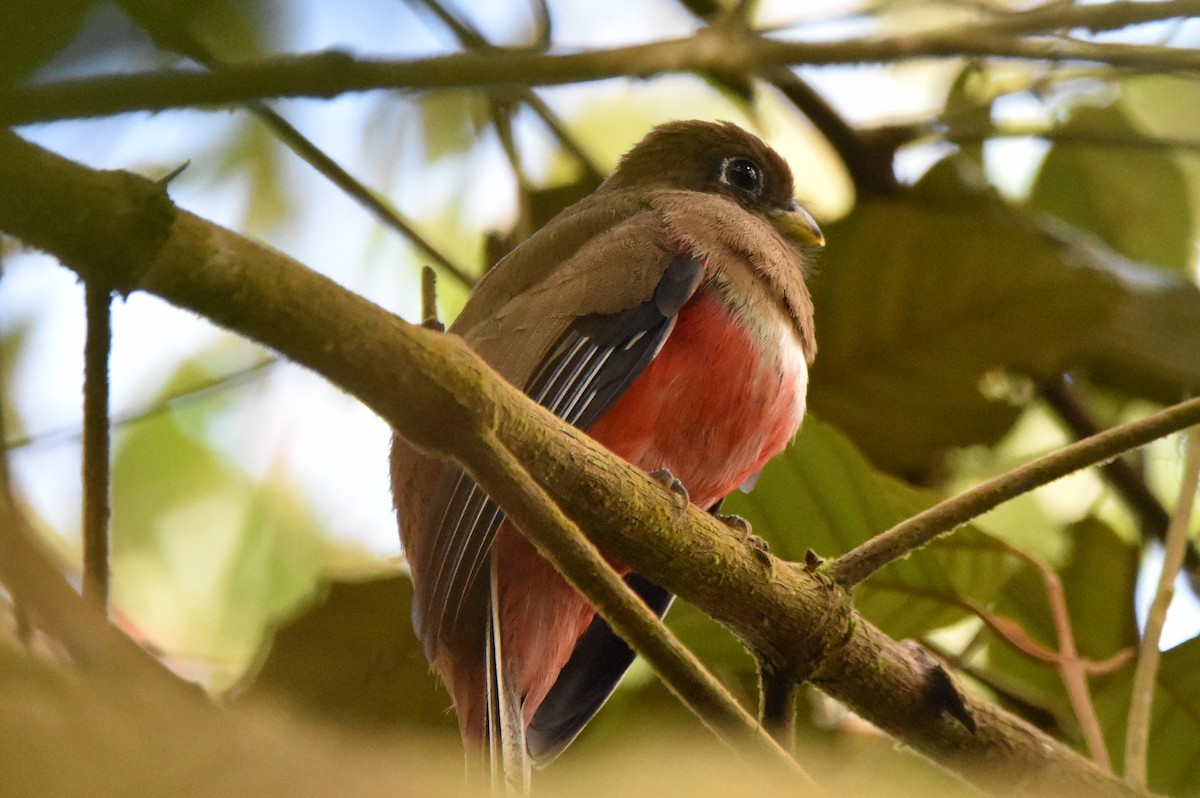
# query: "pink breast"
{"type": "Point", "coordinates": [712, 410]}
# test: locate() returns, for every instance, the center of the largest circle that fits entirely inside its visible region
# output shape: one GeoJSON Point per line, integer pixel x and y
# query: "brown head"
{"type": "Point", "coordinates": [723, 159]}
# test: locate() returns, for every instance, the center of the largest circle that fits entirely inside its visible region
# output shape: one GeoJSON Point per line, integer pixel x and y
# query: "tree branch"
{"type": "Point", "coordinates": [913, 533]}
{"type": "Point", "coordinates": [727, 50]}
{"type": "Point", "coordinates": [559, 540]}
{"type": "Point", "coordinates": [96, 483]}
{"type": "Point", "coordinates": [444, 399]}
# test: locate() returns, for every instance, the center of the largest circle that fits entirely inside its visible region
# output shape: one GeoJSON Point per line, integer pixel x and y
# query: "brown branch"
{"type": "Point", "coordinates": [96, 483]}
{"type": "Point", "coordinates": [470, 37]}
{"type": "Point", "coordinates": [434, 390]}
{"type": "Point", "coordinates": [729, 51]}
{"type": "Point", "coordinates": [1072, 668]}
{"type": "Point", "coordinates": [915, 532]}
{"type": "Point", "coordinates": [58, 611]}
{"type": "Point", "coordinates": [1095, 18]}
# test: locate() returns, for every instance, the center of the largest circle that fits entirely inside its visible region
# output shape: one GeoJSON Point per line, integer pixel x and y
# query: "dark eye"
{"type": "Point", "coordinates": [743, 174]}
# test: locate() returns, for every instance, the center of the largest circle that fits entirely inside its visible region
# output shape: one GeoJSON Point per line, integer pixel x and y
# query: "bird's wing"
{"type": "Point", "coordinates": [585, 369]}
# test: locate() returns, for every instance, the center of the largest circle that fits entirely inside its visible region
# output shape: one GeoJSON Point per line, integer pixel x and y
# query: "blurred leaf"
{"type": "Point", "coordinates": [33, 31]}
{"type": "Point", "coordinates": [65, 734]}
{"type": "Point", "coordinates": [824, 495]}
{"type": "Point", "coordinates": [923, 295]}
{"type": "Point", "coordinates": [354, 659]}
{"type": "Point", "coordinates": [452, 121]}
{"type": "Point", "coordinates": [969, 107]}
{"type": "Point", "coordinates": [1132, 196]}
{"type": "Point", "coordinates": [253, 154]}
{"type": "Point", "coordinates": [101, 734]}
{"type": "Point", "coordinates": [1098, 581]}
{"type": "Point", "coordinates": [1151, 347]}
{"type": "Point", "coordinates": [1174, 747]}
{"type": "Point", "coordinates": [204, 558]}
{"type": "Point", "coordinates": [229, 29]}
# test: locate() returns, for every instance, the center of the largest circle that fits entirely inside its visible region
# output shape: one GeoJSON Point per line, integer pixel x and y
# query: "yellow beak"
{"type": "Point", "coordinates": [798, 225]}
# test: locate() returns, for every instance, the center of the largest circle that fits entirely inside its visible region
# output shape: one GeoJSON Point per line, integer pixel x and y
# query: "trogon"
{"type": "Point", "coordinates": [666, 314]}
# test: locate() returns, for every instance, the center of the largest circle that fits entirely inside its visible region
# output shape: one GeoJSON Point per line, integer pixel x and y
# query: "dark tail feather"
{"type": "Point", "coordinates": [596, 665]}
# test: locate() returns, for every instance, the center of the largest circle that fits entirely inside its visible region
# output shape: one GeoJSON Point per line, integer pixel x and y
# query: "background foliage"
{"type": "Point", "coordinates": [1011, 258]}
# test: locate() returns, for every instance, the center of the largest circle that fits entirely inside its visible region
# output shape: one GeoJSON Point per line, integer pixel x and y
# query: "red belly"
{"type": "Point", "coordinates": [708, 409]}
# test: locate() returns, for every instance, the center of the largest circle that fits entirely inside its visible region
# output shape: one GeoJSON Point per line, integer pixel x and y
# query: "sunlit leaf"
{"type": "Point", "coordinates": [204, 558]}
{"type": "Point", "coordinates": [253, 154]}
{"type": "Point", "coordinates": [452, 120]}
{"type": "Point", "coordinates": [1128, 192]}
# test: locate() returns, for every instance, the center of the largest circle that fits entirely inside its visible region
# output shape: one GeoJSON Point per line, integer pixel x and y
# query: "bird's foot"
{"type": "Point", "coordinates": [741, 527]}
{"type": "Point", "coordinates": [665, 478]}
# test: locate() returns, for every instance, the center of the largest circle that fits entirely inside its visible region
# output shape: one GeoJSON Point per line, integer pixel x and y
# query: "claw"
{"type": "Point", "coordinates": [665, 478]}
{"type": "Point", "coordinates": [741, 527]}
{"type": "Point", "coordinates": [738, 525]}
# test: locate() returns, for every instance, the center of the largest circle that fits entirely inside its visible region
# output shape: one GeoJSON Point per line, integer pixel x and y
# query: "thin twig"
{"type": "Point", "coordinates": [1082, 138]}
{"type": "Point", "coordinates": [558, 539]}
{"type": "Point", "coordinates": [429, 311]}
{"type": "Point", "coordinates": [913, 533]}
{"type": "Point", "coordinates": [1109, 16]}
{"type": "Point", "coordinates": [1137, 735]}
{"type": "Point", "coordinates": [727, 51]}
{"type": "Point", "coordinates": [1011, 632]}
{"type": "Point", "coordinates": [309, 152]}
{"type": "Point", "coordinates": [96, 445]}
{"type": "Point", "coordinates": [1071, 667]}
{"type": "Point", "coordinates": [1119, 472]}
{"type": "Point", "coordinates": [163, 405]}
{"type": "Point", "coordinates": [470, 37]}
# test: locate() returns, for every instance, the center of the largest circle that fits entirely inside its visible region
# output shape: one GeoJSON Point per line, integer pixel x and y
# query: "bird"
{"type": "Point", "coordinates": [666, 315]}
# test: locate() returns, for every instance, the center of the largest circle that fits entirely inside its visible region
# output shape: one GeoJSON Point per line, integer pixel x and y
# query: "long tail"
{"type": "Point", "coordinates": [508, 757]}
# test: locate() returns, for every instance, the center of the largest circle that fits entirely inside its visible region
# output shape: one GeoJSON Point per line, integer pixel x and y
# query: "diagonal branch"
{"type": "Point", "coordinates": [438, 394]}
{"type": "Point", "coordinates": [559, 540]}
{"type": "Point", "coordinates": [913, 533]}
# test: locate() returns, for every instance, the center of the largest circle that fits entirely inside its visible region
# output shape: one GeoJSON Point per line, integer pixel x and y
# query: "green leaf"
{"type": "Point", "coordinates": [921, 297]}
{"type": "Point", "coordinates": [33, 32]}
{"type": "Point", "coordinates": [1129, 193]}
{"type": "Point", "coordinates": [1151, 347]}
{"type": "Point", "coordinates": [822, 494]}
{"type": "Point", "coordinates": [452, 120]}
{"type": "Point", "coordinates": [353, 658]}
{"type": "Point", "coordinates": [1174, 745]}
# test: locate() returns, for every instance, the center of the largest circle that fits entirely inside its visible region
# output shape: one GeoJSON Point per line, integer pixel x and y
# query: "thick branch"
{"type": "Point", "coordinates": [444, 399]}
{"type": "Point", "coordinates": [728, 50]}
